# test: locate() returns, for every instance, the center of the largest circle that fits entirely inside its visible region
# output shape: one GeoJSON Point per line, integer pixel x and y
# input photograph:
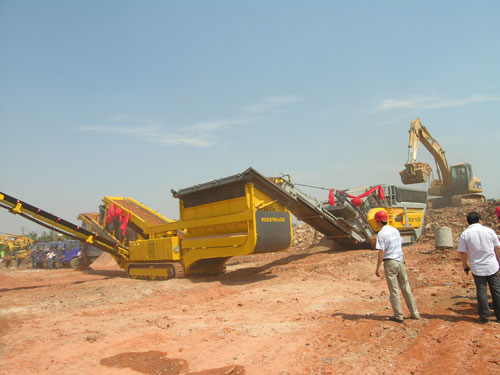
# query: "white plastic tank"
{"type": "Point", "coordinates": [443, 238]}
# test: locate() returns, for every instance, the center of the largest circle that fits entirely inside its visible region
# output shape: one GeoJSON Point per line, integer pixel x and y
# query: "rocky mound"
{"type": "Point", "coordinates": [455, 218]}
{"type": "Point", "coordinates": [105, 262]}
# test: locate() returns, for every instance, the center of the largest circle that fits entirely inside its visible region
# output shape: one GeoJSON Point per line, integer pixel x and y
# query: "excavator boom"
{"type": "Point", "coordinates": [415, 172]}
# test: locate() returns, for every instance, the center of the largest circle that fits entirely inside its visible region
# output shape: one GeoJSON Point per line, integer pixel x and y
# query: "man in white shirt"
{"type": "Point", "coordinates": [389, 244]}
{"type": "Point", "coordinates": [482, 246]}
{"type": "Point", "coordinates": [50, 258]}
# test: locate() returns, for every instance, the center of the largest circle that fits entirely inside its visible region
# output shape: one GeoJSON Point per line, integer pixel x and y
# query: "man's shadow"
{"type": "Point", "coordinates": [464, 311]}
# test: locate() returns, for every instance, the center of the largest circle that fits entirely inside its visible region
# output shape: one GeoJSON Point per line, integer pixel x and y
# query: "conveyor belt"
{"type": "Point", "coordinates": [60, 225]}
{"type": "Point", "coordinates": [93, 225]}
{"type": "Point", "coordinates": [139, 211]}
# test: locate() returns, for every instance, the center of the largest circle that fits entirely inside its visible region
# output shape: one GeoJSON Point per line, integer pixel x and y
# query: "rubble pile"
{"type": "Point", "coordinates": [105, 262]}
{"type": "Point", "coordinates": [455, 218]}
{"type": "Point", "coordinates": [305, 236]}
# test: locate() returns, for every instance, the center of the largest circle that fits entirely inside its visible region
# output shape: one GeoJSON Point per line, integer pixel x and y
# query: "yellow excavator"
{"type": "Point", "coordinates": [454, 184]}
{"type": "Point", "coordinates": [19, 246]}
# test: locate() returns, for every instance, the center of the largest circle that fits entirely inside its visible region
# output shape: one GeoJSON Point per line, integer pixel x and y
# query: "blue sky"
{"type": "Point", "coordinates": [134, 98]}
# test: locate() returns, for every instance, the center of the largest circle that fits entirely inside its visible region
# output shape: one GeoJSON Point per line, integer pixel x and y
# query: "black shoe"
{"type": "Point", "coordinates": [484, 321]}
{"type": "Point", "coordinates": [415, 317]}
{"type": "Point", "coordinates": [393, 319]}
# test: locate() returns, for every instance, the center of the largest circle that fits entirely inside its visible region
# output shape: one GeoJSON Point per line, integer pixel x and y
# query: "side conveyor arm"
{"type": "Point", "coordinates": [53, 222]}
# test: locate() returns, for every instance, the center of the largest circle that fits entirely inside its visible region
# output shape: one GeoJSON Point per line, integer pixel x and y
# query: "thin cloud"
{"type": "Point", "coordinates": [432, 102]}
{"type": "Point", "coordinates": [219, 124]}
{"type": "Point", "coordinates": [173, 139]}
{"type": "Point", "coordinates": [391, 121]}
{"type": "Point", "coordinates": [271, 103]}
{"type": "Point", "coordinates": [143, 131]}
{"type": "Point", "coordinates": [200, 134]}
{"type": "Point", "coordinates": [155, 134]}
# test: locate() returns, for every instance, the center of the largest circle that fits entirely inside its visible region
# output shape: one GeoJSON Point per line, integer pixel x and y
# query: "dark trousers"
{"type": "Point", "coordinates": [482, 295]}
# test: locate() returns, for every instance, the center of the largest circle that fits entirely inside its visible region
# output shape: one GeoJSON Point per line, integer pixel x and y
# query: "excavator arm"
{"type": "Point", "coordinates": [415, 172]}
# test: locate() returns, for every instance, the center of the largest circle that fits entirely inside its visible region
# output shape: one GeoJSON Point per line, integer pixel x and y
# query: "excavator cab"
{"type": "Point", "coordinates": [463, 180]}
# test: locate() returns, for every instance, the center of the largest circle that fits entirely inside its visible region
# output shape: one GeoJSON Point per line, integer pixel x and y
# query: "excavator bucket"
{"type": "Point", "coordinates": [415, 173]}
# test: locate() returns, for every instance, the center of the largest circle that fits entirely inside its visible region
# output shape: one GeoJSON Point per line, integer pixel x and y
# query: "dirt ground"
{"type": "Point", "coordinates": [309, 310]}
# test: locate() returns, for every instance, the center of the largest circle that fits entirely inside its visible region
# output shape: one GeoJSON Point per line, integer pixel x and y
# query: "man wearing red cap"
{"type": "Point", "coordinates": [390, 252]}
